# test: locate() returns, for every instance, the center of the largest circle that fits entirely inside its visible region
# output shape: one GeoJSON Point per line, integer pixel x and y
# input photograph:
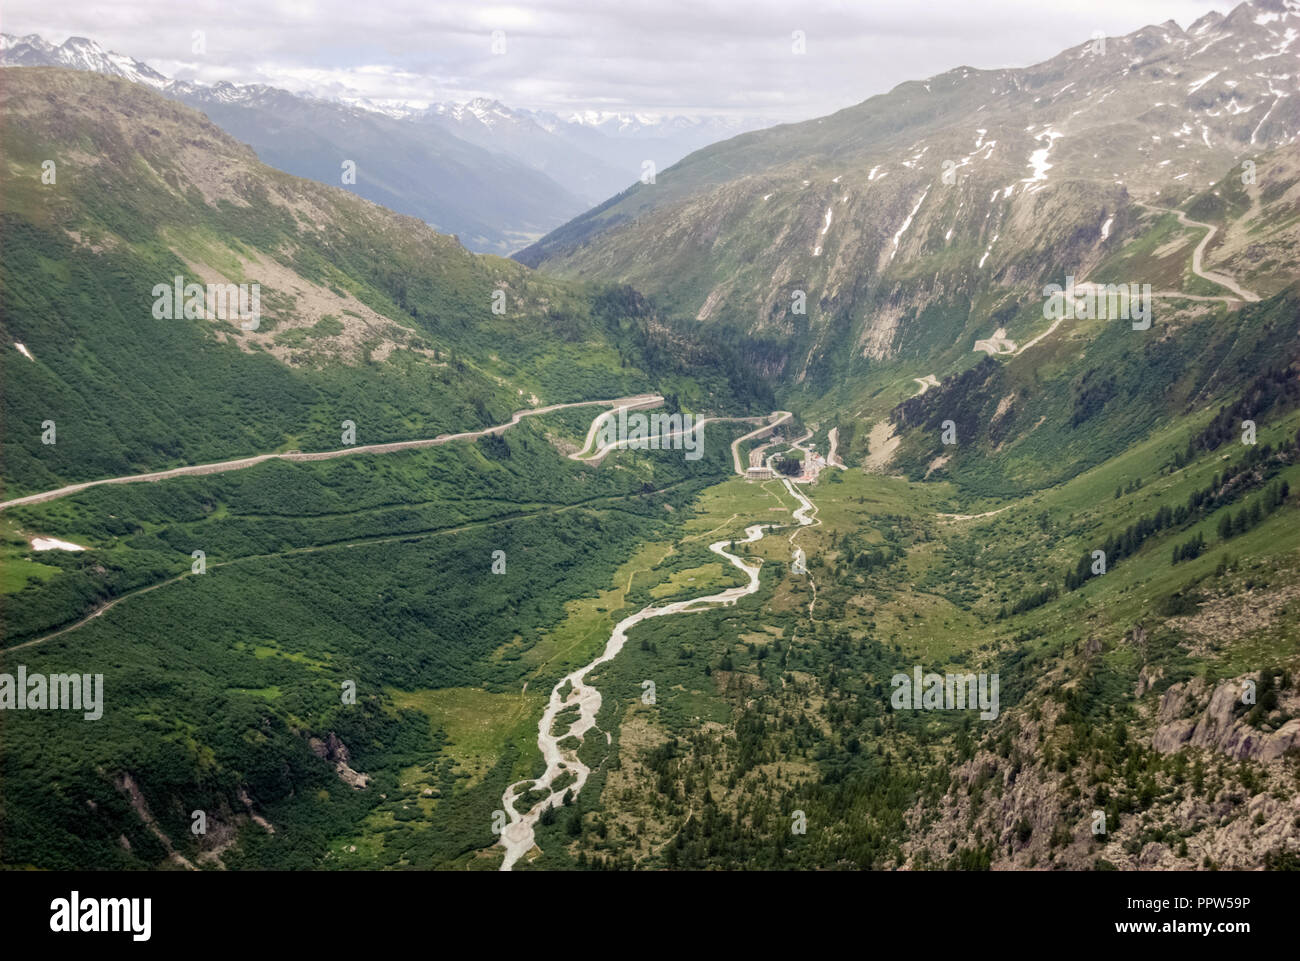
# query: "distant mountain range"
{"type": "Point", "coordinates": [595, 154]}
{"type": "Point", "coordinates": [496, 177]}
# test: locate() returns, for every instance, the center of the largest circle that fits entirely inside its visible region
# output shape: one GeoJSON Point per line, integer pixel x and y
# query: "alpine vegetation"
{"type": "Point", "coordinates": [242, 302]}
{"type": "Point", "coordinates": [947, 692]}
{"type": "Point", "coordinates": [55, 692]}
{"type": "Point", "coordinates": [1085, 301]}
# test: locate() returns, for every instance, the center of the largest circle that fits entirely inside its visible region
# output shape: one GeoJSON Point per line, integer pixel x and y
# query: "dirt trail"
{"type": "Point", "coordinates": [974, 517]}
{"type": "Point", "coordinates": [832, 456]}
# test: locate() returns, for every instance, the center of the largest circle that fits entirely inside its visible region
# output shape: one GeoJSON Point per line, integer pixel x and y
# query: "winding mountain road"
{"type": "Point", "coordinates": [1197, 256]}
{"type": "Point", "coordinates": [596, 457]}
{"type": "Point", "coordinates": [995, 345]}
{"type": "Point", "coordinates": [639, 400]}
{"type": "Point", "coordinates": [775, 420]}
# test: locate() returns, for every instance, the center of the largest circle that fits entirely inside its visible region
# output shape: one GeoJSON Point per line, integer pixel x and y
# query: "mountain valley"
{"type": "Point", "coordinates": [995, 375]}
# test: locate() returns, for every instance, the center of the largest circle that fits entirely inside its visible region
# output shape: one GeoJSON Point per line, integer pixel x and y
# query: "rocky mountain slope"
{"type": "Point", "coordinates": [370, 322]}
{"type": "Point", "coordinates": [125, 190]}
{"type": "Point", "coordinates": [491, 201]}
{"type": "Point", "coordinates": [497, 177]}
{"type": "Point", "coordinates": [76, 53]}
{"type": "Point", "coordinates": [936, 212]}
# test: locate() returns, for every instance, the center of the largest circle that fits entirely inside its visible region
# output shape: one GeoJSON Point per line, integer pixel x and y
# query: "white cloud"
{"type": "Point", "coordinates": [673, 56]}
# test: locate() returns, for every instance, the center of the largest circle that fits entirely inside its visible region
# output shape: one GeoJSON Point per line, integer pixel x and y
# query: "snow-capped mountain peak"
{"type": "Point", "coordinates": [78, 53]}
{"type": "Point", "coordinates": [481, 109]}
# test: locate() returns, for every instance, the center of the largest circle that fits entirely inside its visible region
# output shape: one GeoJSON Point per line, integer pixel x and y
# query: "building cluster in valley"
{"type": "Point", "coordinates": [763, 468]}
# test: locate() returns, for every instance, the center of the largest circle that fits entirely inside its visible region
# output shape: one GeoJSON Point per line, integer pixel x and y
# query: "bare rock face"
{"type": "Point", "coordinates": [334, 750]}
{"type": "Point", "coordinates": [1014, 803]}
{"type": "Point", "coordinates": [1281, 741]}
{"type": "Point", "coordinates": [126, 784]}
{"type": "Point", "coordinates": [1147, 678]}
{"type": "Point", "coordinates": [338, 751]}
{"type": "Point", "coordinates": [1155, 856]}
{"type": "Point", "coordinates": [330, 749]}
{"type": "Point", "coordinates": [256, 818]}
{"type": "Point", "coordinates": [1170, 737]}
{"type": "Point", "coordinates": [1193, 715]}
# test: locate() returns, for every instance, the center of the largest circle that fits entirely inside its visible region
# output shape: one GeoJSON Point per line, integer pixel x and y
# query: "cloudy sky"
{"type": "Point", "coordinates": [650, 56]}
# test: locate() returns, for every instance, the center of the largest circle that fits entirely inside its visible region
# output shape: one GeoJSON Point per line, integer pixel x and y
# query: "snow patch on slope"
{"type": "Point", "coordinates": [907, 223]}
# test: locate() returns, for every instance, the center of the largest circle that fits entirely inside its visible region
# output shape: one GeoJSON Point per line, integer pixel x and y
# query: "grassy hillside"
{"type": "Point", "coordinates": [368, 316]}
{"type": "Point", "coordinates": [770, 709]}
{"type": "Point", "coordinates": [376, 571]}
{"type": "Point", "coordinates": [224, 680]}
{"type": "Point", "coordinates": [1044, 416]}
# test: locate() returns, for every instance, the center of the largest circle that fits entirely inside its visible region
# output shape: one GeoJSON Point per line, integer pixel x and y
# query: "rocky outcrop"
{"type": "Point", "coordinates": [126, 784]}
{"type": "Point", "coordinates": [1013, 798]}
{"type": "Point", "coordinates": [333, 749]}
{"type": "Point", "coordinates": [1147, 678]}
{"type": "Point", "coordinates": [256, 818]}
{"type": "Point", "coordinates": [1194, 715]}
